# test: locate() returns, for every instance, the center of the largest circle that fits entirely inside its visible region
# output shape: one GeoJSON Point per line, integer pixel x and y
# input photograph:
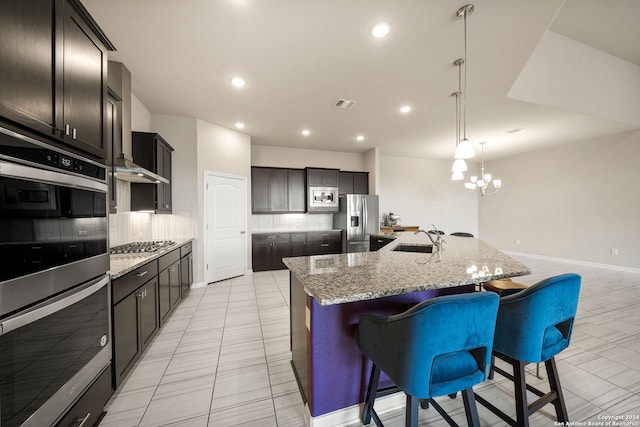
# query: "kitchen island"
{"type": "Point", "coordinates": [330, 292]}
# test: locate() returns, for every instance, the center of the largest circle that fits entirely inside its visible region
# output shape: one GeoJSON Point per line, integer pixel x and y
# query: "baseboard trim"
{"type": "Point", "coordinates": [351, 415]}
{"type": "Point", "coordinates": [576, 261]}
{"type": "Point", "coordinates": [197, 285]}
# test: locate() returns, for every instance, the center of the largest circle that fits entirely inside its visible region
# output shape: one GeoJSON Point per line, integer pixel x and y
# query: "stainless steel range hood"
{"type": "Point", "coordinates": [125, 168]}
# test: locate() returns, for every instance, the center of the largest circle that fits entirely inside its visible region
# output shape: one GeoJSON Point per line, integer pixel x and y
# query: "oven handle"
{"type": "Point", "coordinates": [50, 177]}
{"type": "Point", "coordinates": [38, 313]}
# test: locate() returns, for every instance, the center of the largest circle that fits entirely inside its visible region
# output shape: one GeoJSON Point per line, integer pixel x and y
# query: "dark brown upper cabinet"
{"type": "Point", "coordinates": [53, 63]}
{"type": "Point", "coordinates": [152, 152]}
{"type": "Point", "coordinates": [353, 182]}
{"type": "Point", "coordinates": [317, 177]}
{"type": "Point", "coordinates": [277, 190]}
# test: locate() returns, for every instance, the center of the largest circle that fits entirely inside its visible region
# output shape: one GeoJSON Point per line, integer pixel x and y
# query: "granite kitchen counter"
{"type": "Point", "coordinates": [329, 293]}
{"type": "Point", "coordinates": [337, 279]}
{"type": "Point", "coordinates": [121, 264]}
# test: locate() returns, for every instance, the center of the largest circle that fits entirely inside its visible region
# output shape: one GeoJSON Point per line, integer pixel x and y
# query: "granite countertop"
{"type": "Point", "coordinates": [121, 264]}
{"type": "Point", "coordinates": [336, 279]}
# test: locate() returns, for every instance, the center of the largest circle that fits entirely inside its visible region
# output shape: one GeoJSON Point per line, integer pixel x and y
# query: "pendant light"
{"type": "Point", "coordinates": [465, 148]}
{"type": "Point", "coordinates": [459, 165]}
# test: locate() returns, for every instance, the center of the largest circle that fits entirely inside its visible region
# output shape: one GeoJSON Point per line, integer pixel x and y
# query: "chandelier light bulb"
{"type": "Point", "coordinates": [470, 186]}
{"type": "Point", "coordinates": [457, 176]}
{"type": "Point", "coordinates": [497, 183]}
{"type": "Point", "coordinates": [487, 177]}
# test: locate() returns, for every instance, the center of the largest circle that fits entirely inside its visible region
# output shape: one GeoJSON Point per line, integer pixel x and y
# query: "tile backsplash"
{"type": "Point", "coordinates": [127, 226]}
{"type": "Point", "coordinates": [141, 226]}
{"type": "Point", "coordinates": [291, 222]}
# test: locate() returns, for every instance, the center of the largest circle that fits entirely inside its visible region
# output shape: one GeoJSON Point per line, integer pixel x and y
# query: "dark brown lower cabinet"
{"type": "Point", "coordinates": [324, 242]}
{"type": "Point", "coordinates": [268, 249]}
{"type": "Point", "coordinates": [135, 320]}
{"type": "Point", "coordinates": [168, 283]}
{"type": "Point", "coordinates": [88, 410]}
{"type": "Point", "coordinates": [376, 242]}
{"type": "Point", "coordinates": [298, 244]}
{"type": "Point", "coordinates": [186, 269]}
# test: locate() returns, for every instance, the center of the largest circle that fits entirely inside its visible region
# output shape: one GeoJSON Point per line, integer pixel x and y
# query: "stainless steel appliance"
{"type": "Point", "coordinates": [323, 198]}
{"type": "Point", "coordinates": [141, 247]}
{"type": "Point", "coordinates": [358, 218]}
{"type": "Point", "coordinates": [54, 296]}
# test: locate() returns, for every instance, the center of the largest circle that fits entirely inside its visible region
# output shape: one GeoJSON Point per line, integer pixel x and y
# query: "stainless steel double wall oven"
{"type": "Point", "coordinates": [54, 289]}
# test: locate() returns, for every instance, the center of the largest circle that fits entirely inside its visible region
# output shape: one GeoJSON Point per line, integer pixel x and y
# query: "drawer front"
{"type": "Point", "coordinates": [378, 242]}
{"type": "Point", "coordinates": [89, 408]}
{"type": "Point", "coordinates": [319, 247]}
{"type": "Point", "coordinates": [186, 249]}
{"type": "Point", "coordinates": [298, 237]}
{"type": "Point", "coordinates": [166, 260]}
{"type": "Point", "coordinates": [324, 236]}
{"type": "Point", "coordinates": [272, 237]}
{"type": "Point", "coordinates": [123, 286]}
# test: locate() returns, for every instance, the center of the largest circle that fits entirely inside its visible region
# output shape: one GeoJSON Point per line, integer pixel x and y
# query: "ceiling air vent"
{"type": "Point", "coordinates": [345, 103]}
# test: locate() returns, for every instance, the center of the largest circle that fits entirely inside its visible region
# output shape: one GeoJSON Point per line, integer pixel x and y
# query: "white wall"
{"type": "Point", "coordinates": [574, 201]}
{"type": "Point", "coordinates": [140, 116]}
{"type": "Point", "coordinates": [422, 193]}
{"type": "Point", "coordinates": [283, 157]}
{"type": "Point", "coordinates": [372, 165]}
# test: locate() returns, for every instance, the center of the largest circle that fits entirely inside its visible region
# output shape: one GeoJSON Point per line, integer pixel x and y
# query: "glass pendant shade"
{"type": "Point", "coordinates": [470, 186]}
{"type": "Point", "coordinates": [497, 183]}
{"type": "Point", "coordinates": [465, 150]}
{"type": "Point", "coordinates": [459, 165]}
{"type": "Point", "coordinates": [457, 176]}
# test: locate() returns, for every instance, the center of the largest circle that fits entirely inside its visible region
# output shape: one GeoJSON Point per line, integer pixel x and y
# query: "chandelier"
{"type": "Point", "coordinates": [480, 185]}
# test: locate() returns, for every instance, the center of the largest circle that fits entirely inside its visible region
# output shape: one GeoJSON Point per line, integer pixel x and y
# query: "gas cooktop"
{"type": "Point", "coordinates": [141, 247]}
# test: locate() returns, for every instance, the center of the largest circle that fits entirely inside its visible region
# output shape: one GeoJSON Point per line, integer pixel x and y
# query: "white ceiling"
{"type": "Point", "coordinates": [299, 56]}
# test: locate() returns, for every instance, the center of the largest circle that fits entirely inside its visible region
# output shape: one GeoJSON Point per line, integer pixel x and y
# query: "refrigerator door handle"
{"type": "Point", "coordinates": [365, 214]}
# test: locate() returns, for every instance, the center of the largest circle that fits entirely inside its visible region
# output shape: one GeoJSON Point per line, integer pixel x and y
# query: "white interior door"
{"type": "Point", "coordinates": [225, 243]}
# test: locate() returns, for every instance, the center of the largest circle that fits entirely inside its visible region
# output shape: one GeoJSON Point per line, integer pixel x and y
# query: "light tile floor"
{"type": "Point", "coordinates": [223, 359]}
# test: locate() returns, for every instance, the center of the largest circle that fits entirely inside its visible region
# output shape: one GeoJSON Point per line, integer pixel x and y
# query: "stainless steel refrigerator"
{"type": "Point", "coordinates": [358, 218]}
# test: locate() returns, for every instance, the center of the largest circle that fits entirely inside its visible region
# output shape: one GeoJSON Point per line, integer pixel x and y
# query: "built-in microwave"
{"type": "Point", "coordinates": [323, 199]}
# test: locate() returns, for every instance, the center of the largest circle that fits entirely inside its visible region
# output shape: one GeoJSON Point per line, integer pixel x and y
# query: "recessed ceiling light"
{"type": "Point", "coordinates": [405, 109]}
{"type": "Point", "coordinates": [306, 132]}
{"type": "Point", "coordinates": [239, 125]}
{"type": "Point", "coordinates": [238, 82]}
{"type": "Point", "coordinates": [380, 30]}
{"type": "Point", "coordinates": [360, 138]}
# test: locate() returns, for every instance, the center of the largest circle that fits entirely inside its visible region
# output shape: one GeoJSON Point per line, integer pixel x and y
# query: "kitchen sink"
{"type": "Point", "coordinates": [405, 247]}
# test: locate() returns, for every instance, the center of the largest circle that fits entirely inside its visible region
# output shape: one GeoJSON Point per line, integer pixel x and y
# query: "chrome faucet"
{"type": "Point", "coordinates": [438, 242]}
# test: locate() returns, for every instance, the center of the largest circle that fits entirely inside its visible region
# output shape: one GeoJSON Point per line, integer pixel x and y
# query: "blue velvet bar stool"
{"type": "Point", "coordinates": [534, 325]}
{"type": "Point", "coordinates": [436, 348]}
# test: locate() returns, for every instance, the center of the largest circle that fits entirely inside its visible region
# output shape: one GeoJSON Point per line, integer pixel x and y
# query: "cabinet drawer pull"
{"type": "Point", "coordinates": [324, 245]}
{"type": "Point", "coordinates": [142, 273]}
{"type": "Point", "coordinates": [67, 129]}
{"type": "Point", "coordinates": [140, 294]}
{"type": "Point", "coordinates": [81, 421]}
{"type": "Point", "coordinates": [74, 133]}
